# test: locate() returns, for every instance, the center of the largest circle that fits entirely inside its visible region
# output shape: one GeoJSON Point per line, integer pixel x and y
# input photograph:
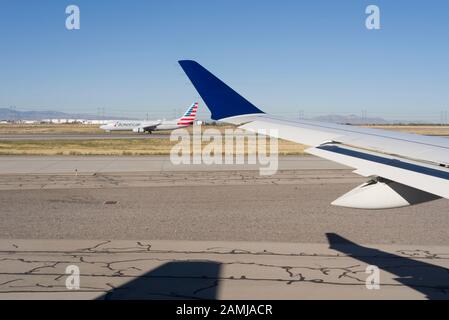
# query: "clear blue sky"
{"type": "Point", "coordinates": [284, 56]}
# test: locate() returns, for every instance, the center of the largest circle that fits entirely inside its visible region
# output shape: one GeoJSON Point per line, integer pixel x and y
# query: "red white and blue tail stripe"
{"type": "Point", "coordinates": [189, 116]}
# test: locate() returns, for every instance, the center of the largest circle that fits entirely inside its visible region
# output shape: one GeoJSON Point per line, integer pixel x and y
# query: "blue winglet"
{"type": "Point", "coordinates": [222, 101]}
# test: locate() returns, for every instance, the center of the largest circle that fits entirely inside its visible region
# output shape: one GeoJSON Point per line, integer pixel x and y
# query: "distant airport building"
{"type": "Point", "coordinates": [79, 121]}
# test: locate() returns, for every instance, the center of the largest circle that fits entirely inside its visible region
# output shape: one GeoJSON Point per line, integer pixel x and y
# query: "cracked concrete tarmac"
{"type": "Point", "coordinates": [43, 200]}
{"type": "Point", "coordinates": [36, 269]}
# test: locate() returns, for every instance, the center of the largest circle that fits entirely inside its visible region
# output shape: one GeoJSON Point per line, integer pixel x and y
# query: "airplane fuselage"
{"type": "Point", "coordinates": [156, 125]}
{"type": "Point", "coordinates": [121, 125]}
{"type": "Point", "coordinates": [143, 126]}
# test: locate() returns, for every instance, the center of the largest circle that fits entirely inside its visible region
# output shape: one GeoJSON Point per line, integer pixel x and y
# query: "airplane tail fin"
{"type": "Point", "coordinates": [222, 101]}
{"type": "Point", "coordinates": [189, 116]}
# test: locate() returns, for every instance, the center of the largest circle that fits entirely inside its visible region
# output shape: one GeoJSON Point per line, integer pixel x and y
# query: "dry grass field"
{"type": "Point", "coordinates": [426, 130]}
{"type": "Point", "coordinates": [128, 147]}
{"type": "Point", "coordinates": [48, 128]}
{"type": "Point", "coordinates": [6, 129]}
{"type": "Point", "coordinates": [154, 146]}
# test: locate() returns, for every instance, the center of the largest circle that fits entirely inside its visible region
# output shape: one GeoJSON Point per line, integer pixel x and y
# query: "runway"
{"type": "Point", "coordinates": [238, 234]}
{"type": "Point", "coordinates": [110, 164]}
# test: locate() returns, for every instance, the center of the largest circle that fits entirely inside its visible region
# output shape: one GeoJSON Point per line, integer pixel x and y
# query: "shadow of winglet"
{"type": "Point", "coordinates": [431, 280]}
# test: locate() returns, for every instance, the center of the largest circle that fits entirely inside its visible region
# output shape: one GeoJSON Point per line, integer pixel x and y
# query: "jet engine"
{"type": "Point", "coordinates": [139, 129]}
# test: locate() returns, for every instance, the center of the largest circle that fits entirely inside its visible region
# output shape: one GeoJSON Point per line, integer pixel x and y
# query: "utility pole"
{"type": "Point", "coordinates": [13, 112]}
{"type": "Point", "coordinates": [101, 112]}
{"type": "Point", "coordinates": [364, 117]}
{"type": "Point", "coordinates": [443, 117]}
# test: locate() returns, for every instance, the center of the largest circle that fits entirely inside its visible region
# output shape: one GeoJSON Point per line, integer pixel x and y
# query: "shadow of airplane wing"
{"type": "Point", "coordinates": [429, 279]}
{"type": "Point", "coordinates": [172, 280]}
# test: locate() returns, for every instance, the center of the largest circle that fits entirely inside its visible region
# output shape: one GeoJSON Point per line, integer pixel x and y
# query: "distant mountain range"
{"type": "Point", "coordinates": [353, 119]}
{"type": "Point", "coordinates": [12, 114]}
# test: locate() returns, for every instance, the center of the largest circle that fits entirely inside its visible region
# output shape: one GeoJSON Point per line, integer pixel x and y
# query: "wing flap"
{"type": "Point", "coordinates": [429, 178]}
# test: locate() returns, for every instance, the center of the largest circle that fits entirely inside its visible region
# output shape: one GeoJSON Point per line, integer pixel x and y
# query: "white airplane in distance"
{"type": "Point", "coordinates": [402, 168]}
{"type": "Point", "coordinates": [148, 126]}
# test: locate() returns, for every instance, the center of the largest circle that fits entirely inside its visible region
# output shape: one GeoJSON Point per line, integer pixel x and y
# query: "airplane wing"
{"type": "Point", "coordinates": [403, 169]}
{"type": "Point", "coordinates": [147, 126]}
